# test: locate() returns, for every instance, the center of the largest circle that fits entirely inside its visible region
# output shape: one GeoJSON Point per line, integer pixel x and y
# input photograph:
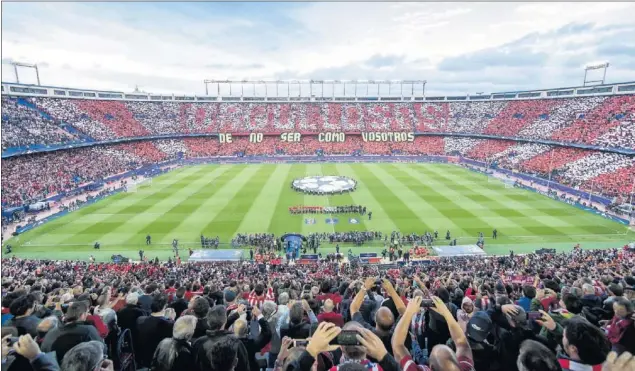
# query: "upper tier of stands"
{"type": "Point", "coordinates": [607, 121]}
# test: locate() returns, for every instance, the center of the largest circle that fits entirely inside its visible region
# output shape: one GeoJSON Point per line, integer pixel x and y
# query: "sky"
{"type": "Point", "coordinates": [456, 47]}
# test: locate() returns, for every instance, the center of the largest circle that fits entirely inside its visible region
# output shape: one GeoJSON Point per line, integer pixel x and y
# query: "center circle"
{"type": "Point", "coordinates": [329, 184]}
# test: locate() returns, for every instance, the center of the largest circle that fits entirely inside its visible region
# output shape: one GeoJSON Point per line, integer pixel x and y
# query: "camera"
{"type": "Point", "coordinates": [12, 340]}
{"type": "Point", "coordinates": [427, 303]}
{"type": "Point", "coordinates": [346, 337]}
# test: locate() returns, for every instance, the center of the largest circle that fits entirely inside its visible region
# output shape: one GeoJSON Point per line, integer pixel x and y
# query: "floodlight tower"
{"type": "Point", "coordinates": [26, 65]}
{"type": "Point", "coordinates": [597, 66]}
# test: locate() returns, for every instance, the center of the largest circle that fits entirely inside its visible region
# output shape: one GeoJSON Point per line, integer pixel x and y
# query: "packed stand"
{"type": "Point", "coordinates": [69, 112]}
{"type": "Point", "coordinates": [572, 311]}
{"type": "Point", "coordinates": [24, 126]}
{"type": "Point", "coordinates": [603, 119]}
{"type": "Point", "coordinates": [33, 177]}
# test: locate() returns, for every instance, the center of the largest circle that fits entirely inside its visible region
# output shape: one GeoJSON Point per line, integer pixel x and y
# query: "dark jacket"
{"type": "Point", "coordinates": [145, 302]}
{"type": "Point", "coordinates": [184, 360]}
{"type": "Point", "coordinates": [179, 305]}
{"type": "Point", "coordinates": [204, 344]}
{"type": "Point", "coordinates": [254, 345]}
{"type": "Point", "coordinates": [302, 330]}
{"type": "Point", "coordinates": [127, 317]}
{"type": "Point", "coordinates": [150, 331]}
{"type": "Point", "coordinates": [201, 328]}
{"type": "Point", "coordinates": [25, 325]}
{"type": "Point", "coordinates": [591, 301]}
{"type": "Point", "coordinates": [61, 339]}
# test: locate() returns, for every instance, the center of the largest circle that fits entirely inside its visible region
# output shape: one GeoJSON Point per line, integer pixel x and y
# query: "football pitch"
{"type": "Point", "coordinates": [223, 200]}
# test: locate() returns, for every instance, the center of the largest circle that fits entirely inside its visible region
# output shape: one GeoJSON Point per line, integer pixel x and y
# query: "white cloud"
{"type": "Point", "coordinates": [172, 49]}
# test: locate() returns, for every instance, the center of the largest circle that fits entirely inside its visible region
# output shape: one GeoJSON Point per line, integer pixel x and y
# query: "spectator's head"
{"type": "Point", "coordinates": [443, 358]}
{"type": "Point", "coordinates": [86, 356]}
{"type": "Point", "coordinates": [241, 328]}
{"type": "Point", "coordinates": [536, 357]}
{"type": "Point", "coordinates": [184, 328]}
{"type": "Point", "coordinates": [572, 303]}
{"type": "Point", "coordinates": [46, 325]}
{"type": "Point", "coordinates": [269, 308]}
{"type": "Point", "coordinates": [467, 305]}
{"type": "Point", "coordinates": [200, 307]}
{"type": "Point", "coordinates": [222, 354]}
{"type": "Point", "coordinates": [217, 317]}
{"type": "Point", "coordinates": [283, 299]}
{"type": "Point", "coordinates": [584, 342]}
{"type": "Point", "coordinates": [132, 298]}
{"type": "Point", "coordinates": [529, 291]}
{"type": "Point", "coordinates": [180, 292]}
{"type": "Point", "coordinates": [167, 351]}
{"type": "Point", "coordinates": [77, 311]}
{"type": "Point", "coordinates": [230, 296]}
{"type": "Point", "coordinates": [150, 289]}
{"type": "Point", "coordinates": [354, 352]}
{"type": "Point", "coordinates": [259, 289]}
{"type": "Point", "coordinates": [588, 289]}
{"type": "Point", "coordinates": [328, 306]}
{"type": "Point", "coordinates": [109, 317]}
{"type": "Point", "coordinates": [296, 313]}
{"type": "Point", "coordinates": [23, 306]}
{"type": "Point", "coordinates": [384, 319]}
{"type": "Point", "coordinates": [479, 327]}
{"type": "Point", "coordinates": [443, 294]}
{"type": "Point", "coordinates": [622, 307]}
{"type": "Point", "coordinates": [616, 289]}
{"type": "Point", "coordinates": [159, 302]}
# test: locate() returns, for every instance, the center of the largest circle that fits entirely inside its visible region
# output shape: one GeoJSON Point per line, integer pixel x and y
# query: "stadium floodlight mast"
{"type": "Point", "coordinates": [595, 66]}
{"type": "Point", "coordinates": [26, 65]}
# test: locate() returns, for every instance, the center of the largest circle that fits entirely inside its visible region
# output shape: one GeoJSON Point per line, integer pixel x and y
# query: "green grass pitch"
{"type": "Point", "coordinates": [222, 200]}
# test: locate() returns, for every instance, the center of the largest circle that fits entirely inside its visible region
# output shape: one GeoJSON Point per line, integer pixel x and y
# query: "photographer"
{"type": "Point", "coordinates": [368, 345]}
{"type": "Point", "coordinates": [253, 345]}
{"type": "Point", "coordinates": [27, 353]}
{"type": "Point", "coordinates": [441, 357]}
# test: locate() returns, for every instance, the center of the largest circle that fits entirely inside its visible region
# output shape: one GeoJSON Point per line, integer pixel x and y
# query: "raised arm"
{"type": "Point", "coordinates": [359, 298]}
{"type": "Point", "coordinates": [400, 335]}
{"type": "Point", "coordinates": [390, 290]}
{"type": "Point", "coordinates": [458, 336]}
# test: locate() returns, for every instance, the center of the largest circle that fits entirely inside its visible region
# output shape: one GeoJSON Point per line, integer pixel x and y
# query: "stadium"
{"type": "Point", "coordinates": [545, 169]}
{"type": "Point", "coordinates": [317, 224]}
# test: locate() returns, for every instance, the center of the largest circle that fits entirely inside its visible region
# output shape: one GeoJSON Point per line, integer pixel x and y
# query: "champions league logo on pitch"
{"type": "Point", "coordinates": [322, 185]}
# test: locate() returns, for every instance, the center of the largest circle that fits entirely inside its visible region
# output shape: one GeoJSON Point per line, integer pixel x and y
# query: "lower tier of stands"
{"type": "Point", "coordinates": [32, 177]}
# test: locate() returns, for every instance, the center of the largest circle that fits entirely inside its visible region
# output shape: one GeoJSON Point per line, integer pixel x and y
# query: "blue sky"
{"type": "Point", "coordinates": [457, 47]}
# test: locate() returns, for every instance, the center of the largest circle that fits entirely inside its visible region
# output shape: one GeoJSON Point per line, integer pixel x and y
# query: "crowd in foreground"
{"type": "Point", "coordinates": [570, 311]}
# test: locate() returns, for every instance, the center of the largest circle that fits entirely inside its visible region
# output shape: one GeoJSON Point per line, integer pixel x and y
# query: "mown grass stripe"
{"type": "Point", "coordinates": [233, 213]}
{"type": "Point", "coordinates": [262, 211]}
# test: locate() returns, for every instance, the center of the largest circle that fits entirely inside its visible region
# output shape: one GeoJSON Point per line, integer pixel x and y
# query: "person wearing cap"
{"type": "Point", "coordinates": [74, 331]}
{"type": "Point", "coordinates": [328, 315]}
{"type": "Point", "coordinates": [478, 329]}
{"type": "Point", "coordinates": [513, 329]}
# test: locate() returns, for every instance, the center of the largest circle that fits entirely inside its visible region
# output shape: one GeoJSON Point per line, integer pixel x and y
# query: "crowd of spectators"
{"type": "Point", "coordinates": [23, 126]}
{"type": "Point", "coordinates": [606, 121]}
{"type": "Point", "coordinates": [570, 311]}
{"type": "Point", "coordinates": [30, 178]}
{"type": "Point", "coordinates": [35, 176]}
